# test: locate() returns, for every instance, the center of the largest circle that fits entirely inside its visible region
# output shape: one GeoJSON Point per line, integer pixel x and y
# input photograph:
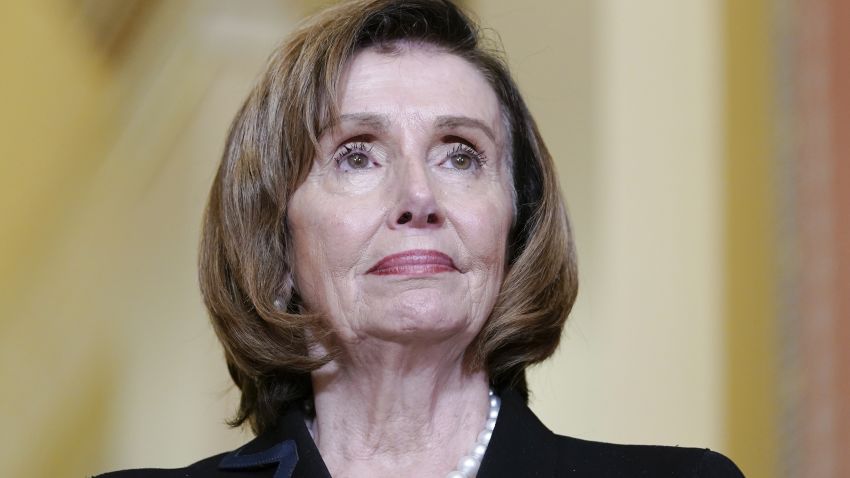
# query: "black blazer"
{"type": "Point", "coordinates": [521, 446]}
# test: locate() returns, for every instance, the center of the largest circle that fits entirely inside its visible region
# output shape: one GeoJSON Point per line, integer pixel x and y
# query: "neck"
{"type": "Point", "coordinates": [395, 410]}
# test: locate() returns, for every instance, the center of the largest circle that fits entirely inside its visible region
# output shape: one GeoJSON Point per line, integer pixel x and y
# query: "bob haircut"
{"type": "Point", "coordinates": [270, 342]}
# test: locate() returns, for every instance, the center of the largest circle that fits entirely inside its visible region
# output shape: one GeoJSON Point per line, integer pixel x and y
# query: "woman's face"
{"type": "Point", "coordinates": [400, 229]}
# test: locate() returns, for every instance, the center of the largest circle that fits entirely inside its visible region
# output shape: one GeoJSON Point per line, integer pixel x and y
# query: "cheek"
{"type": "Point", "coordinates": [483, 228]}
{"type": "Point", "coordinates": [329, 237]}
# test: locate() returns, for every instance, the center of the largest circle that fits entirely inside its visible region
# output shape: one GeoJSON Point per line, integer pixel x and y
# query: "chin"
{"type": "Point", "coordinates": [423, 315]}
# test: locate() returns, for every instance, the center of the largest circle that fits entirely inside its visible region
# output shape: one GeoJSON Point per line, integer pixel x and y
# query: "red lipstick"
{"type": "Point", "coordinates": [414, 262]}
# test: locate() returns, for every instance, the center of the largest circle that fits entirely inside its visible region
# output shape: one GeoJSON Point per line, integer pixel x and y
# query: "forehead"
{"type": "Point", "coordinates": [417, 82]}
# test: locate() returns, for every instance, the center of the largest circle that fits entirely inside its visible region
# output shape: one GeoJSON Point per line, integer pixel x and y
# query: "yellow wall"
{"type": "Point", "coordinates": [54, 373]}
{"type": "Point", "coordinates": [108, 360]}
{"type": "Point", "coordinates": [750, 217]}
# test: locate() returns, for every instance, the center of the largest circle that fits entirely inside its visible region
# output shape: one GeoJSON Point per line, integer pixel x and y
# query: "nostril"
{"type": "Point", "coordinates": [405, 218]}
{"type": "Point", "coordinates": [432, 218]}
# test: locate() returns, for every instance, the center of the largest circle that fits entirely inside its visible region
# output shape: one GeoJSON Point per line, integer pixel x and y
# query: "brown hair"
{"type": "Point", "coordinates": [245, 247]}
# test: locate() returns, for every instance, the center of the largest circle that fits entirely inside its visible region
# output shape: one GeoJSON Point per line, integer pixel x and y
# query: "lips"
{"type": "Point", "coordinates": [414, 262]}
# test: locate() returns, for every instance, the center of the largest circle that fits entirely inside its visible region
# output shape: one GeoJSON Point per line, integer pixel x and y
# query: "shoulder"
{"type": "Point", "coordinates": [522, 446]}
{"type": "Point", "coordinates": [203, 468]}
{"type": "Point", "coordinates": [583, 457]}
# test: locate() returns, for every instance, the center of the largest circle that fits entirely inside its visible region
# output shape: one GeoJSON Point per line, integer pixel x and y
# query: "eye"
{"type": "Point", "coordinates": [357, 160]}
{"type": "Point", "coordinates": [354, 156]}
{"type": "Point", "coordinates": [461, 161]}
{"type": "Point", "coordinates": [463, 157]}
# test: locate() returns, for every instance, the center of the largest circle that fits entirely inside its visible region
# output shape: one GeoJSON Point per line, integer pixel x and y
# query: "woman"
{"type": "Point", "coordinates": [385, 251]}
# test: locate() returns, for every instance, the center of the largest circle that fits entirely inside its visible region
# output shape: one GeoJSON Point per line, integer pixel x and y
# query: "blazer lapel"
{"type": "Point", "coordinates": [284, 456]}
{"type": "Point", "coordinates": [521, 445]}
{"type": "Point", "coordinates": [287, 451]}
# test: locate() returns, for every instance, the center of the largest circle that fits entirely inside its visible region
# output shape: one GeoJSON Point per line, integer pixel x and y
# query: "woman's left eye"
{"type": "Point", "coordinates": [463, 157]}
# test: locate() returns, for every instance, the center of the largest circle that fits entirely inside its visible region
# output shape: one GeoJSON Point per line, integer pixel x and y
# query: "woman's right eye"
{"type": "Point", "coordinates": [354, 156]}
{"type": "Point", "coordinates": [357, 161]}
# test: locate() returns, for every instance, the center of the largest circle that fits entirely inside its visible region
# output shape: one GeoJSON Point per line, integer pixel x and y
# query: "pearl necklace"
{"type": "Point", "coordinates": [468, 465]}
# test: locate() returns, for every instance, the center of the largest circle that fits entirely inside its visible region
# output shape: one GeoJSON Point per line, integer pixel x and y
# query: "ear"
{"type": "Point", "coordinates": [286, 293]}
{"type": "Point", "coordinates": [289, 300]}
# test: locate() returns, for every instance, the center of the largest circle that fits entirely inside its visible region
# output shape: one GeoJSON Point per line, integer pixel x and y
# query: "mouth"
{"type": "Point", "coordinates": [414, 262]}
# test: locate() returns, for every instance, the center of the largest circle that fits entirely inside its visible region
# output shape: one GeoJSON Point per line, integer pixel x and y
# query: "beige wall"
{"type": "Point", "coordinates": [627, 95]}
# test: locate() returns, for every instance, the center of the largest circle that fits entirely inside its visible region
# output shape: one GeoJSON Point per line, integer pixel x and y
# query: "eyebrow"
{"type": "Point", "coordinates": [374, 121]}
{"type": "Point", "coordinates": [465, 121]}
{"type": "Point", "coordinates": [381, 123]}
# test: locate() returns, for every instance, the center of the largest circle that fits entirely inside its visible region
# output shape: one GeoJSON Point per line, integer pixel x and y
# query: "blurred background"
{"type": "Point", "coordinates": [703, 147]}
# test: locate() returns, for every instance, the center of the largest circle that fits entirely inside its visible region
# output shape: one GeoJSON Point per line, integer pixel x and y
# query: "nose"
{"type": "Point", "coordinates": [416, 205]}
